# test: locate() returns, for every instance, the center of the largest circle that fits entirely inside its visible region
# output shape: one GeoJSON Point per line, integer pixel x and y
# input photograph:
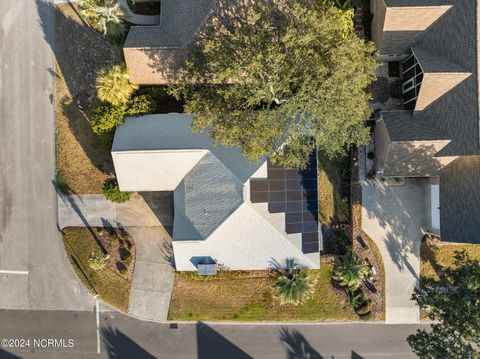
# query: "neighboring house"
{"type": "Point", "coordinates": [436, 133]}
{"type": "Point", "coordinates": [227, 210]}
{"type": "Point", "coordinates": [154, 54]}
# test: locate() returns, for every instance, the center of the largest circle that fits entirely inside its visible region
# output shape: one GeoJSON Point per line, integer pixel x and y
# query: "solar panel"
{"type": "Point", "coordinates": [293, 192]}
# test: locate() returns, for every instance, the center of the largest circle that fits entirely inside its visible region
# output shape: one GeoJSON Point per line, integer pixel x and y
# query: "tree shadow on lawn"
{"type": "Point", "coordinates": [80, 53]}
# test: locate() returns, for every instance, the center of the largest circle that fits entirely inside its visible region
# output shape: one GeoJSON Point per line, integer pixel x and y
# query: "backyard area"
{"type": "Point", "coordinates": [248, 296]}
{"type": "Point", "coordinates": [104, 261]}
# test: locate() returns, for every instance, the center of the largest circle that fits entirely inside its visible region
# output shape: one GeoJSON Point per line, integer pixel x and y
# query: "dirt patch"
{"type": "Point", "coordinates": [83, 159]}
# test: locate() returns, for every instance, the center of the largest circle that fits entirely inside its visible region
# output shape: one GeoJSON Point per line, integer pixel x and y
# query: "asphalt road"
{"type": "Point", "coordinates": [34, 272]}
{"type": "Point", "coordinates": [124, 337]}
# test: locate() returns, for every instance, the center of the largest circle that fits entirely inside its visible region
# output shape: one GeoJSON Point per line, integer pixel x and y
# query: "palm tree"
{"type": "Point", "coordinates": [106, 16]}
{"type": "Point", "coordinates": [349, 271]}
{"type": "Point", "coordinates": [294, 283]}
{"type": "Point", "coordinates": [114, 86]}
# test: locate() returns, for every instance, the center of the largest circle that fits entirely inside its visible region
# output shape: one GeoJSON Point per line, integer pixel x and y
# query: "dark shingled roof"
{"type": "Point", "coordinates": [402, 126]}
{"type": "Point", "coordinates": [460, 200]}
{"type": "Point", "coordinates": [449, 45]}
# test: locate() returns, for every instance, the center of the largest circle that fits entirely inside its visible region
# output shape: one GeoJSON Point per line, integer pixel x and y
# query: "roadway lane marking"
{"type": "Point", "coordinates": [22, 272]}
{"type": "Point", "coordinates": [97, 317]}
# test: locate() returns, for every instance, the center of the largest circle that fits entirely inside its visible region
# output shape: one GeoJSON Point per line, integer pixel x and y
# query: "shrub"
{"type": "Point", "coordinates": [349, 272]}
{"type": "Point", "coordinates": [114, 86]}
{"type": "Point", "coordinates": [112, 192]}
{"type": "Point", "coordinates": [107, 117]}
{"type": "Point", "coordinates": [364, 309]}
{"type": "Point", "coordinates": [127, 258]}
{"type": "Point", "coordinates": [97, 260]}
{"type": "Point", "coordinates": [294, 284]}
{"type": "Point", "coordinates": [125, 254]}
{"type": "Point", "coordinates": [141, 105]}
{"type": "Point", "coordinates": [61, 183]}
{"type": "Point", "coordinates": [122, 268]}
{"type": "Point", "coordinates": [105, 16]}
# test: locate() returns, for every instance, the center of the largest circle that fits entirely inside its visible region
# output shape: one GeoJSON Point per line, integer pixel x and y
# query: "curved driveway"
{"type": "Point", "coordinates": [34, 270]}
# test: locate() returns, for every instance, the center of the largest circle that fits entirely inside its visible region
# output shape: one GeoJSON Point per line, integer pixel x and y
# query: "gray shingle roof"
{"type": "Point", "coordinates": [449, 45]}
{"type": "Point", "coordinates": [154, 54]}
{"type": "Point", "coordinates": [460, 200]}
{"type": "Point", "coordinates": [207, 196]}
{"type": "Point", "coordinates": [435, 63]}
{"type": "Point", "coordinates": [413, 159]}
{"type": "Point", "coordinates": [179, 22]}
{"type": "Point", "coordinates": [402, 126]}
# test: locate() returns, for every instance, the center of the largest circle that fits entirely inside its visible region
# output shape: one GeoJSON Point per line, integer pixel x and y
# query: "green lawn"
{"type": "Point", "coordinates": [332, 202]}
{"type": "Point", "coordinates": [435, 256]}
{"type": "Point", "coordinates": [108, 283]}
{"type": "Point", "coordinates": [248, 296]}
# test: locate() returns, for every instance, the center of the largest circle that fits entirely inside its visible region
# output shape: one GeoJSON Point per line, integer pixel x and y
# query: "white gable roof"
{"type": "Point", "coordinates": [148, 139]}
{"type": "Point", "coordinates": [139, 171]}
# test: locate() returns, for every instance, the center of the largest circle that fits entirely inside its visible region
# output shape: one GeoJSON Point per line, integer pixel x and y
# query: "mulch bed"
{"type": "Point", "coordinates": [120, 248]}
{"type": "Point", "coordinates": [364, 247]}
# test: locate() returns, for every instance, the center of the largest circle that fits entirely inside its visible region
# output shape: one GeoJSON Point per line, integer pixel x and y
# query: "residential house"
{"type": "Point", "coordinates": [154, 54]}
{"type": "Point", "coordinates": [227, 211]}
{"type": "Point", "coordinates": [436, 132]}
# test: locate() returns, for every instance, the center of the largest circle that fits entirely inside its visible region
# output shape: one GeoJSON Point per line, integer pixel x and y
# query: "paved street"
{"type": "Point", "coordinates": [124, 337]}
{"type": "Point", "coordinates": [34, 271]}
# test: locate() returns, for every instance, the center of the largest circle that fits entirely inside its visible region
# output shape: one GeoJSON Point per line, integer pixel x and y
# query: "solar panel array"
{"type": "Point", "coordinates": [293, 192]}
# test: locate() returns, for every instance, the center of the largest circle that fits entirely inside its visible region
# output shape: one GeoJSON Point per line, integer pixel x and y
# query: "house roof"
{"type": "Point", "coordinates": [447, 109]}
{"type": "Point", "coordinates": [402, 126]}
{"type": "Point", "coordinates": [207, 195]}
{"type": "Point", "coordinates": [154, 54]}
{"type": "Point", "coordinates": [161, 153]}
{"type": "Point", "coordinates": [460, 200]}
{"type": "Point", "coordinates": [147, 137]}
{"type": "Point", "coordinates": [413, 159]}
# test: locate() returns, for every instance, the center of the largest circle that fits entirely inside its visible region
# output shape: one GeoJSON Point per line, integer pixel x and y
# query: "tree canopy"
{"type": "Point", "coordinates": [277, 77]}
{"type": "Point", "coordinates": [453, 301]}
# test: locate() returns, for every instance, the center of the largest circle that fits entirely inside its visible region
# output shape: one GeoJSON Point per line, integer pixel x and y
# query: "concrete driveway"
{"type": "Point", "coordinates": [147, 209]}
{"type": "Point", "coordinates": [34, 270]}
{"type": "Point", "coordinates": [154, 273]}
{"type": "Point", "coordinates": [393, 217]}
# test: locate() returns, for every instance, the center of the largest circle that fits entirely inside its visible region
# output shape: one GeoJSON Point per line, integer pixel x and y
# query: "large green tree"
{"type": "Point", "coordinates": [278, 77]}
{"type": "Point", "coordinates": [453, 302]}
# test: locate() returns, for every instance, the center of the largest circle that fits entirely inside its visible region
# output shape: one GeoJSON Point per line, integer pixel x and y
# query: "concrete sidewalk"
{"type": "Point", "coordinates": [154, 273]}
{"type": "Point", "coordinates": [145, 217]}
{"type": "Point", "coordinates": [393, 217]}
{"type": "Point", "coordinates": [151, 209]}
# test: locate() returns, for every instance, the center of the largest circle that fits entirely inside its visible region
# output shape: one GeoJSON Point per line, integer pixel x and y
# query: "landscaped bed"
{"type": "Point", "coordinates": [249, 296]}
{"type": "Point", "coordinates": [83, 159]}
{"type": "Point", "coordinates": [113, 282]}
{"type": "Point", "coordinates": [84, 162]}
